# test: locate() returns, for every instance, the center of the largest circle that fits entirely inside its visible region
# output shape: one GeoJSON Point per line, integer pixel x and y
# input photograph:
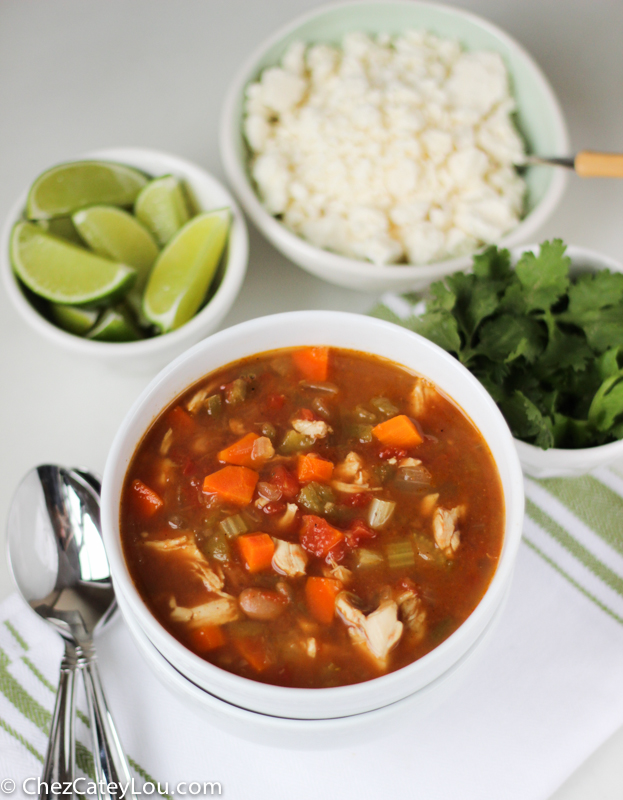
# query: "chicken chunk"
{"type": "Point", "coordinates": [338, 572]}
{"type": "Point", "coordinates": [289, 559]}
{"type": "Point", "coordinates": [262, 449]}
{"type": "Point", "coordinates": [315, 429]}
{"type": "Point", "coordinates": [197, 401]}
{"type": "Point", "coordinates": [422, 394]}
{"type": "Point", "coordinates": [378, 632]}
{"type": "Point", "coordinates": [412, 612]}
{"type": "Point", "coordinates": [184, 548]}
{"type": "Point", "coordinates": [350, 477]}
{"type": "Point", "coordinates": [445, 531]}
{"type": "Point", "coordinates": [218, 611]}
{"type": "Point", "coordinates": [288, 516]}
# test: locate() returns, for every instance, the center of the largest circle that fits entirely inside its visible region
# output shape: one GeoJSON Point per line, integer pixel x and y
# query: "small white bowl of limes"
{"type": "Point", "coordinates": [127, 255]}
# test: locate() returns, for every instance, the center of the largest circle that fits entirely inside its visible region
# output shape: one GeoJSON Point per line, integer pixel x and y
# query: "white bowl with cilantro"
{"type": "Point", "coordinates": [343, 234]}
{"type": "Point", "coordinates": [542, 328]}
{"type": "Point", "coordinates": [92, 268]}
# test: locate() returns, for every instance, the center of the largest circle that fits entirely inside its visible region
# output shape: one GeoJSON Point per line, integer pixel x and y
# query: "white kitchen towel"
{"type": "Point", "coordinates": [545, 694]}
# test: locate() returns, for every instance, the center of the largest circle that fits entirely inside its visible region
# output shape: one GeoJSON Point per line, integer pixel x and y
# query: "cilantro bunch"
{"type": "Point", "coordinates": [548, 348]}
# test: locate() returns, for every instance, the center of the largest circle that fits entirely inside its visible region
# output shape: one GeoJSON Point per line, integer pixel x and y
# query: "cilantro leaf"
{"type": "Point", "coordinates": [593, 291]}
{"type": "Point", "coordinates": [544, 278]}
{"type": "Point", "coordinates": [607, 405]}
{"type": "Point", "coordinates": [507, 337]}
{"type": "Point", "coordinates": [526, 421]}
{"type": "Point", "coordinates": [493, 263]}
{"type": "Point", "coordinates": [440, 327]}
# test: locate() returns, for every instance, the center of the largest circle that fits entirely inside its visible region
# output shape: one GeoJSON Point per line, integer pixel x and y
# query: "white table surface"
{"type": "Point", "coordinates": [76, 76]}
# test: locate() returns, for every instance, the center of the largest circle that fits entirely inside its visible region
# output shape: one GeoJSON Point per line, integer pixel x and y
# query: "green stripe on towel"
{"type": "Point", "coordinates": [584, 556]}
{"type": "Point", "coordinates": [19, 697]}
{"type": "Point", "coordinates": [18, 736]}
{"type": "Point", "coordinates": [16, 635]}
{"type": "Point", "coordinates": [591, 501]}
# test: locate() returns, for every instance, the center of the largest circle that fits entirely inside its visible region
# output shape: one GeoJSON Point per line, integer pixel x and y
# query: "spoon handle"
{"type": "Point", "coordinates": [599, 165]}
{"type": "Point", "coordinates": [111, 765]}
{"type": "Point", "coordinates": [60, 758]}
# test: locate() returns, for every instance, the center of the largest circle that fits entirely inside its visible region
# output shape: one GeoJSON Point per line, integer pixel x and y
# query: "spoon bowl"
{"type": "Point", "coordinates": [59, 564]}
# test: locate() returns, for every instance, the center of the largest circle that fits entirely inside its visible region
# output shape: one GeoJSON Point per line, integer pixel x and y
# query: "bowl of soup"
{"type": "Point", "coordinates": [314, 514]}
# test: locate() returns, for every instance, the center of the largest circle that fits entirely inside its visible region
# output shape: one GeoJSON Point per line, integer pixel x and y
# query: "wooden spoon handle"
{"type": "Point", "coordinates": [599, 165]}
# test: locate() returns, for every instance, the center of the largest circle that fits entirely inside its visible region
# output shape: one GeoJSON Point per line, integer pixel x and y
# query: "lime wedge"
{"type": "Point", "coordinates": [115, 234]}
{"type": "Point", "coordinates": [115, 325]}
{"type": "Point", "coordinates": [74, 319]}
{"type": "Point", "coordinates": [63, 272]}
{"type": "Point", "coordinates": [162, 207]}
{"type": "Point", "coordinates": [67, 187]}
{"type": "Point", "coordinates": [183, 271]}
{"type": "Point", "coordinates": [63, 227]}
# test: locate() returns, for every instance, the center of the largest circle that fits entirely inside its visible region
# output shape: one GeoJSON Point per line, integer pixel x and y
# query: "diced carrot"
{"type": "Point", "coordinates": [239, 452]}
{"type": "Point", "coordinates": [180, 420]}
{"type": "Point", "coordinates": [257, 550]}
{"type": "Point", "coordinates": [320, 594]}
{"type": "Point", "coordinates": [145, 501]}
{"type": "Point", "coordinates": [312, 363]}
{"type": "Point", "coordinates": [207, 637]}
{"type": "Point", "coordinates": [317, 536]}
{"type": "Point", "coordinates": [232, 484]}
{"type": "Point", "coordinates": [254, 652]}
{"type": "Point", "coordinates": [311, 467]}
{"type": "Point", "coordinates": [398, 431]}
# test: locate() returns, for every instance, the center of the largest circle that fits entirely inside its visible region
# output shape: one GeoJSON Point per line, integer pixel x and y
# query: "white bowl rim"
{"type": "Point", "coordinates": [148, 622]}
{"type": "Point", "coordinates": [278, 232]}
{"type": "Point", "coordinates": [217, 307]}
{"type": "Point", "coordinates": [576, 457]}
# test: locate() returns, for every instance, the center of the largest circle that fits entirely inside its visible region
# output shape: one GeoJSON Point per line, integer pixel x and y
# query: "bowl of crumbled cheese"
{"type": "Point", "coordinates": [379, 145]}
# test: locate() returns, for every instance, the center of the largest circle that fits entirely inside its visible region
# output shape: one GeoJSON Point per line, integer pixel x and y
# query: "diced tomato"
{"type": "Point", "coordinates": [357, 531]}
{"type": "Point", "coordinates": [306, 414]}
{"type": "Point", "coordinates": [358, 500]}
{"type": "Point", "coordinates": [392, 452]}
{"type": "Point", "coordinates": [317, 536]}
{"type": "Point", "coordinates": [286, 481]}
{"type": "Point", "coordinates": [275, 402]}
{"type": "Point", "coordinates": [190, 467]}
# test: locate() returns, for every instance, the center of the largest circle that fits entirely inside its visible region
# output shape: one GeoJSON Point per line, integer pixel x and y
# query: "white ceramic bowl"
{"type": "Point", "coordinates": [148, 354]}
{"type": "Point", "coordinates": [350, 331]}
{"type": "Point", "coordinates": [558, 463]}
{"type": "Point", "coordinates": [309, 734]}
{"type": "Point", "coordinates": [539, 119]}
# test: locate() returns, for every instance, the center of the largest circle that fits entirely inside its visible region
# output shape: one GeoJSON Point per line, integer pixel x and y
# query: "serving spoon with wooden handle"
{"type": "Point", "coordinates": [586, 163]}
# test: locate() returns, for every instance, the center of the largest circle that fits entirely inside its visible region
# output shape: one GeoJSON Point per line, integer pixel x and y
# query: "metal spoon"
{"type": "Point", "coordinates": [59, 564]}
{"type": "Point", "coordinates": [586, 163]}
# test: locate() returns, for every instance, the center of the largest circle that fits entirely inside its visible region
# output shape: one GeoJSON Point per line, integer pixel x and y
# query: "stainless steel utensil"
{"type": "Point", "coordinates": [59, 564]}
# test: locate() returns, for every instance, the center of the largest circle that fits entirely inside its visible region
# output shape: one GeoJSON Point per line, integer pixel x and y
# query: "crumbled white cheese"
{"type": "Point", "coordinates": [391, 149]}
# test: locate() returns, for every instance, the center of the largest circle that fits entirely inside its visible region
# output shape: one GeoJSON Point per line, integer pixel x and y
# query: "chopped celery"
{"type": "Point", "coordinates": [236, 392]}
{"type": "Point", "coordinates": [293, 442]}
{"type": "Point", "coordinates": [384, 472]}
{"type": "Point", "coordinates": [412, 479]}
{"type": "Point", "coordinates": [400, 554]}
{"type": "Point", "coordinates": [216, 546]}
{"type": "Point", "coordinates": [321, 407]}
{"type": "Point", "coordinates": [233, 526]}
{"type": "Point", "coordinates": [269, 430]}
{"type": "Point", "coordinates": [379, 512]}
{"type": "Point", "coordinates": [214, 404]}
{"type": "Point", "coordinates": [362, 414]}
{"type": "Point", "coordinates": [384, 406]}
{"type": "Point", "coordinates": [319, 386]}
{"type": "Point", "coordinates": [361, 432]}
{"type": "Point", "coordinates": [367, 558]}
{"type": "Point", "coordinates": [427, 550]}
{"type": "Point", "coordinates": [314, 496]}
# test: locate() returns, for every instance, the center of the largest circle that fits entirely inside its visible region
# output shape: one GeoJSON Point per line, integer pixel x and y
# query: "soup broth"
{"type": "Point", "coordinates": [312, 517]}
